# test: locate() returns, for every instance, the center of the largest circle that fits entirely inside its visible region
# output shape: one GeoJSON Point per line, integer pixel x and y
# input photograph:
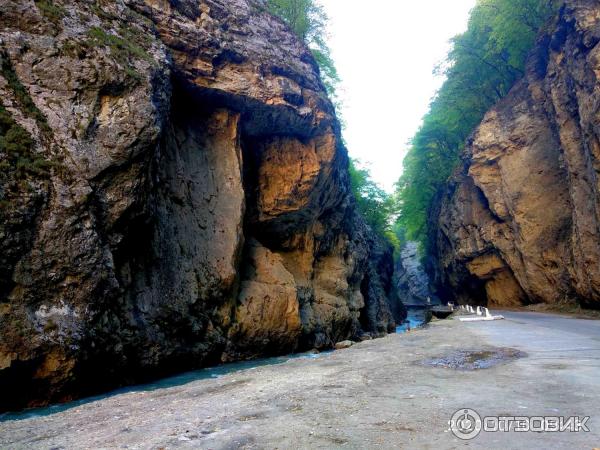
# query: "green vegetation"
{"type": "Point", "coordinates": [309, 21]}
{"type": "Point", "coordinates": [21, 94]}
{"type": "Point", "coordinates": [50, 11]}
{"type": "Point", "coordinates": [18, 159]}
{"type": "Point", "coordinates": [122, 49]}
{"type": "Point", "coordinates": [482, 66]}
{"type": "Point", "coordinates": [376, 206]}
{"type": "Point", "coordinates": [16, 147]}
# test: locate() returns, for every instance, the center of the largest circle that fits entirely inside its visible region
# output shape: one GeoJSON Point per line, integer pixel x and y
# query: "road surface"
{"type": "Point", "coordinates": [583, 327]}
{"type": "Point", "coordinates": [389, 393]}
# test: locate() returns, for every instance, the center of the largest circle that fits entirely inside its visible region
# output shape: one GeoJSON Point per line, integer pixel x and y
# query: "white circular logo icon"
{"type": "Point", "coordinates": [465, 424]}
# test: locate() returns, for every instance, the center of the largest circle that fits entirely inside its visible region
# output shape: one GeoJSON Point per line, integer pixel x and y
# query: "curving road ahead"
{"type": "Point", "coordinates": [583, 327]}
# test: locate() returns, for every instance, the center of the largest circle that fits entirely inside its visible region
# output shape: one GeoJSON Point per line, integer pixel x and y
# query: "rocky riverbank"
{"type": "Point", "coordinates": [381, 393]}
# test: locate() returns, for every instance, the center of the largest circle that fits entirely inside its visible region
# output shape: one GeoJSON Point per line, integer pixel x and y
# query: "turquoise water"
{"type": "Point", "coordinates": [177, 380]}
{"type": "Point", "coordinates": [414, 319]}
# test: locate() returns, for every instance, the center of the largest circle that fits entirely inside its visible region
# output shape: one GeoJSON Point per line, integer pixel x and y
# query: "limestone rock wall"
{"type": "Point", "coordinates": [174, 193]}
{"type": "Point", "coordinates": [412, 280]}
{"type": "Point", "coordinates": [520, 221]}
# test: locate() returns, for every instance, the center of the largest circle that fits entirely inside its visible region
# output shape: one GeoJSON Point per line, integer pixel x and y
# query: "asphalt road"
{"type": "Point", "coordinates": [549, 337]}
{"type": "Point", "coordinates": [562, 353]}
{"type": "Point", "coordinates": [583, 327]}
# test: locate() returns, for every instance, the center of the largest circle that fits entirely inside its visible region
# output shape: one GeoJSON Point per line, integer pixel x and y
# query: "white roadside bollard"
{"type": "Point", "coordinates": [478, 311]}
{"type": "Point", "coordinates": [485, 316]}
{"type": "Point", "coordinates": [471, 309]}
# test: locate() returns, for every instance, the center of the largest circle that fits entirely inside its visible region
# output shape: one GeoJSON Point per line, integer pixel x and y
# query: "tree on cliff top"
{"type": "Point", "coordinates": [308, 20]}
{"type": "Point", "coordinates": [482, 66]}
{"type": "Point", "coordinates": [375, 205]}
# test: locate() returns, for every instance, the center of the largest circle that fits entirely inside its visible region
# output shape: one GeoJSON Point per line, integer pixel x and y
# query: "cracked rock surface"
{"type": "Point", "coordinates": [520, 220]}
{"type": "Point", "coordinates": [176, 195]}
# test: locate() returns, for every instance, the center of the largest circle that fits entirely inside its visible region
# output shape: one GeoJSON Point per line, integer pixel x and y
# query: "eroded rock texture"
{"type": "Point", "coordinates": [174, 194]}
{"type": "Point", "coordinates": [520, 222]}
{"type": "Point", "coordinates": [411, 278]}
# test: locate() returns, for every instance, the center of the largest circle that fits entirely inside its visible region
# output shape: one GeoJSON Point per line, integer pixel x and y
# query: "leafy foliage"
{"type": "Point", "coordinates": [309, 21]}
{"type": "Point", "coordinates": [482, 66]}
{"type": "Point", "coordinates": [376, 206]}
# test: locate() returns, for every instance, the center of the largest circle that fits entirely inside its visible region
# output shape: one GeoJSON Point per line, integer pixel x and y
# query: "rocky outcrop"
{"type": "Point", "coordinates": [174, 194]}
{"type": "Point", "coordinates": [520, 221]}
{"type": "Point", "coordinates": [412, 280]}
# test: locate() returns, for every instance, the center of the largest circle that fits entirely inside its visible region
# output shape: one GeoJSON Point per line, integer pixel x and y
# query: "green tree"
{"type": "Point", "coordinates": [309, 21]}
{"type": "Point", "coordinates": [375, 205]}
{"type": "Point", "coordinates": [482, 66]}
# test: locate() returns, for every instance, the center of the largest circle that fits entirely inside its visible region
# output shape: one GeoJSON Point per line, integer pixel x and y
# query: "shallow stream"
{"type": "Point", "coordinates": [415, 319]}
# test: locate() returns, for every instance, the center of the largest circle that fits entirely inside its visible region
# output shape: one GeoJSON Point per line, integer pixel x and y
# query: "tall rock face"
{"type": "Point", "coordinates": [520, 221]}
{"type": "Point", "coordinates": [174, 193]}
{"type": "Point", "coordinates": [412, 280]}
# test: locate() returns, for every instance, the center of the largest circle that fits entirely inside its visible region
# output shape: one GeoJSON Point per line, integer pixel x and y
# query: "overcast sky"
{"type": "Point", "coordinates": [385, 52]}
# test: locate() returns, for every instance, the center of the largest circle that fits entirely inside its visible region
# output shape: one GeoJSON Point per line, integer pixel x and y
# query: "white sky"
{"type": "Point", "coordinates": [385, 52]}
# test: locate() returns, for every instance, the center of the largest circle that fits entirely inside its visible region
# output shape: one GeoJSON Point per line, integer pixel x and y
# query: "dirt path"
{"type": "Point", "coordinates": [376, 394]}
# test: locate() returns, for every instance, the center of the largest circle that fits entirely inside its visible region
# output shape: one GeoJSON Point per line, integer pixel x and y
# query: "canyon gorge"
{"type": "Point", "coordinates": [175, 194]}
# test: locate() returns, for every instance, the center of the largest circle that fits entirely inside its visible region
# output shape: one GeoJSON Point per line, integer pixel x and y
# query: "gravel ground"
{"type": "Point", "coordinates": [377, 394]}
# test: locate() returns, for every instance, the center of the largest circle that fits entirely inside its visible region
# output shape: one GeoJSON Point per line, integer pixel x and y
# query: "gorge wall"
{"type": "Point", "coordinates": [174, 193]}
{"type": "Point", "coordinates": [412, 279]}
{"type": "Point", "coordinates": [520, 220]}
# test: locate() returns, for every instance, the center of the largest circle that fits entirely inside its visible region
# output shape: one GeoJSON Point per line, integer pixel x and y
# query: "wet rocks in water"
{"type": "Point", "coordinates": [475, 359]}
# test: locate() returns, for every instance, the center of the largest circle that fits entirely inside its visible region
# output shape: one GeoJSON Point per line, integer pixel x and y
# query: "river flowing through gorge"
{"type": "Point", "coordinates": [415, 318]}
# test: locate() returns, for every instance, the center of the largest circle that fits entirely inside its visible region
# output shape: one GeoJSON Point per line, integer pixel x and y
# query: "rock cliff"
{"type": "Point", "coordinates": [520, 221]}
{"type": "Point", "coordinates": [174, 193]}
{"type": "Point", "coordinates": [412, 280]}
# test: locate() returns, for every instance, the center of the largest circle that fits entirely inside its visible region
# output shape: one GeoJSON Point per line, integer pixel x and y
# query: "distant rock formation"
{"type": "Point", "coordinates": [520, 221]}
{"type": "Point", "coordinates": [412, 281]}
{"type": "Point", "coordinates": [174, 194]}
